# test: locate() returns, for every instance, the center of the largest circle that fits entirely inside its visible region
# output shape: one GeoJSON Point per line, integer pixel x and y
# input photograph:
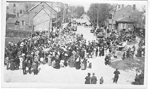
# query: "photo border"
{"type": "Point", "coordinates": [46, 85]}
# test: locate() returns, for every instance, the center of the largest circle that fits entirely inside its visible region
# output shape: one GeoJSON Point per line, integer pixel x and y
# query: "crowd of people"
{"type": "Point", "coordinates": [66, 48]}
{"type": "Point", "coordinates": [61, 50]}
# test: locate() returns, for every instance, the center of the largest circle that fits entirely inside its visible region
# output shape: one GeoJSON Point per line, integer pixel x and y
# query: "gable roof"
{"type": "Point", "coordinates": [40, 4]}
{"type": "Point", "coordinates": [125, 11]}
{"type": "Point", "coordinates": [37, 8]}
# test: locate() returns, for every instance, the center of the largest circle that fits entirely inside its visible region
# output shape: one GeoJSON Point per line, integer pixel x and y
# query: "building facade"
{"type": "Point", "coordinates": [23, 13]}
{"type": "Point", "coordinates": [123, 17]}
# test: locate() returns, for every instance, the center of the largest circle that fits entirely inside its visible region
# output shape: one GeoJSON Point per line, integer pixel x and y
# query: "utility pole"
{"type": "Point", "coordinates": [50, 22]}
{"type": "Point", "coordinates": [115, 9]}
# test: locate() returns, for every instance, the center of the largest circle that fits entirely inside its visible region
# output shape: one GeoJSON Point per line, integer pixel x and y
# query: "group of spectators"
{"type": "Point", "coordinates": [61, 50]}
{"type": "Point", "coordinates": [66, 48]}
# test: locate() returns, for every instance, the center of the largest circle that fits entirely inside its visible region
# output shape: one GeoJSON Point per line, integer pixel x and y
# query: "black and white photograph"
{"type": "Point", "coordinates": [74, 42]}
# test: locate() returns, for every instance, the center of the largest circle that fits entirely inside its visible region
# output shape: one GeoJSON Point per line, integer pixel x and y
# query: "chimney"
{"type": "Point", "coordinates": [134, 6]}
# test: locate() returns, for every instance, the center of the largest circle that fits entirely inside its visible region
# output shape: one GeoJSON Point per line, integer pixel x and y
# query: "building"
{"type": "Point", "coordinates": [124, 23]}
{"type": "Point", "coordinates": [19, 8]}
{"type": "Point", "coordinates": [39, 16]}
{"type": "Point", "coordinates": [124, 17]}
{"type": "Point", "coordinates": [21, 13]}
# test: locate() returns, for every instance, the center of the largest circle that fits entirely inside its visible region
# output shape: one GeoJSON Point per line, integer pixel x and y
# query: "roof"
{"type": "Point", "coordinates": [35, 10]}
{"type": "Point", "coordinates": [10, 16]}
{"type": "Point", "coordinates": [125, 20]}
{"type": "Point", "coordinates": [125, 11]}
{"type": "Point", "coordinates": [43, 5]}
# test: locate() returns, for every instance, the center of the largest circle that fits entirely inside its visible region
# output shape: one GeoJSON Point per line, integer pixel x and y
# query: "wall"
{"type": "Point", "coordinates": [124, 26]}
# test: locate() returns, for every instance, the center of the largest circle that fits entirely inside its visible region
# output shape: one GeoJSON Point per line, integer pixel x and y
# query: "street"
{"type": "Point", "coordinates": [86, 33]}
{"type": "Point", "coordinates": [69, 75]}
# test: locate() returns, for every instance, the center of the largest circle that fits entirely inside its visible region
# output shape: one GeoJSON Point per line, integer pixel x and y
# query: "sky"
{"type": "Point", "coordinates": [86, 3]}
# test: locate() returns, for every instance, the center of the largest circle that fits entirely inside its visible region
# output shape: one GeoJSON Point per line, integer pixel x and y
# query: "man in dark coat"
{"type": "Point", "coordinates": [96, 52]}
{"type": "Point", "coordinates": [93, 79]}
{"type": "Point", "coordinates": [100, 51]}
{"type": "Point", "coordinates": [82, 54]}
{"type": "Point", "coordinates": [103, 51]}
{"type": "Point", "coordinates": [88, 79]}
{"type": "Point", "coordinates": [107, 59]}
{"type": "Point", "coordinates": [29, 62]}
{"type": "Point", "coordinates": [24, 65]}
{"type": "Point", "coordinates": [17, 62]}
{"type": "Point", "coordinates": [116, 72]}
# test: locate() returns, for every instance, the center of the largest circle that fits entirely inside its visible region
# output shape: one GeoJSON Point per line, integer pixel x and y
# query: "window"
{"type": "Point", "coordinates": [17, 14]}
{"type": "Point", "coordinates": [20, 11]}
{"type": "Point", "coordinates": [14, 5]}
{"type": "Point", "coordinates": [121, 25]}
{"type": "Point", "coordinates": [110, 16]}
{"type": "Point", "coordinates": [23, 23]}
